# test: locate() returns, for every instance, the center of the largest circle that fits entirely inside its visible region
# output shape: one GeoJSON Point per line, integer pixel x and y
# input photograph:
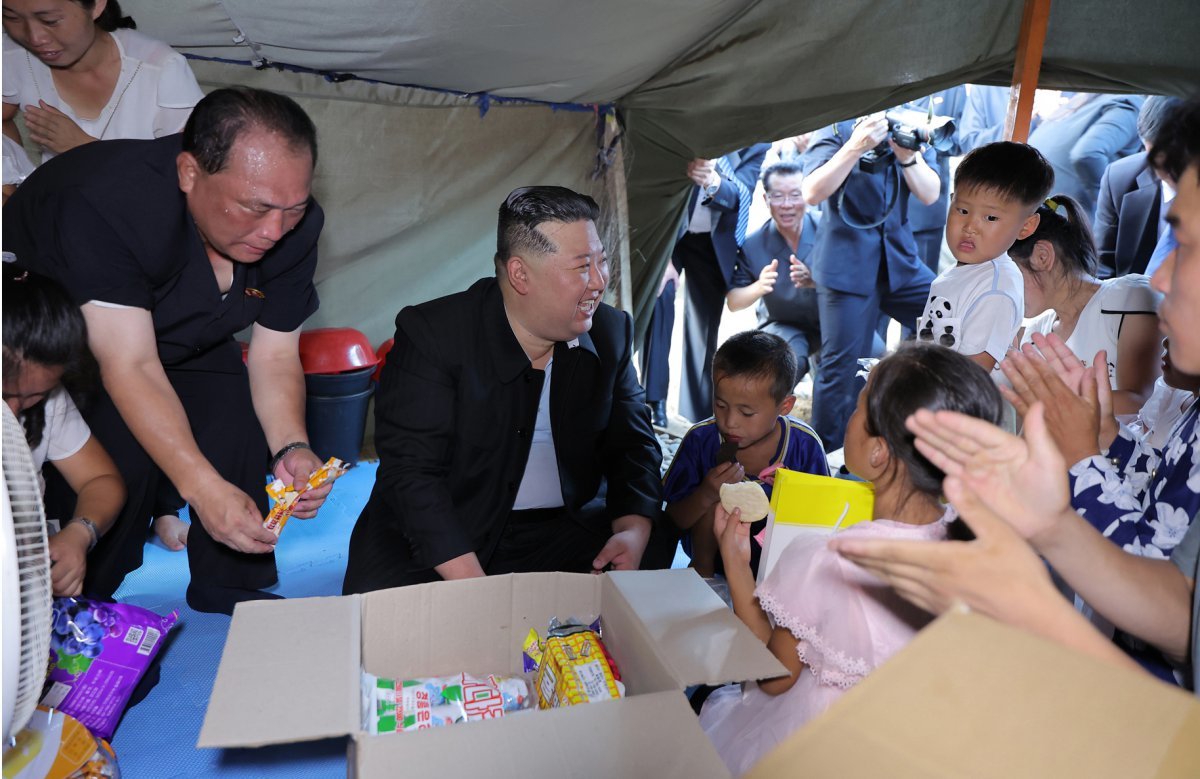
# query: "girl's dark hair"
{"type": "Point", "coordinates": [1065, 225]}
{"type": "Point", "coordinates": [42, 325]}
{"type": "Point", "coordinates": [925, 375]}
{"type": "Point", "coordinates": [110, 18]}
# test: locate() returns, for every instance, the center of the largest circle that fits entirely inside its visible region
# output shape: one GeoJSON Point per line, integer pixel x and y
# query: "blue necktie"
{"type": "Point", "coordinates": [743, 214]}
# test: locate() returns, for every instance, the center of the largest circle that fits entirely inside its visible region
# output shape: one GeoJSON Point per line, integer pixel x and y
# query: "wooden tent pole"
{"type": "Point", "coordinates": [1034, 21]}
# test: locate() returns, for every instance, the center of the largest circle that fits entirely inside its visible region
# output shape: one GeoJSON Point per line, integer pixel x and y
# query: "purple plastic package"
{"type": "Point", "coordinates": [98, 652]}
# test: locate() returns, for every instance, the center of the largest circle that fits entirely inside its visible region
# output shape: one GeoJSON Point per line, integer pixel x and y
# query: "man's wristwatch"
{"type": "Point", "coordinates": [91, 526]}
{"type": "Point", "coordinates": [910, 163]}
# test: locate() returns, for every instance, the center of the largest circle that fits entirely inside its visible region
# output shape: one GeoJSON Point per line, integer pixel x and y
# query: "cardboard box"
{"type": "Point", "coordinates": [803, 503]}
{"type": "Point", "coordinates": [291, 672]}
{"type": "Point", "coordinates": [970, 697]}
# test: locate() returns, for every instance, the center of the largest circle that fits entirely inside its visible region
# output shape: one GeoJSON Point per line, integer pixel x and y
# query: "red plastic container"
{"type": "Point", "coordinates": [382, 353]}
{"type": "Point", "coordinates": [335, 350]}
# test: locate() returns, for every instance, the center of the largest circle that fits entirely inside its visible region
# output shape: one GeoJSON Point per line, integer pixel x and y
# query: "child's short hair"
{"type": "Point", "coordinates": [1064, 224]}
{"type": "Point", "coordinates": [1014, 171]}
{"type": "Point", "coordinates": [759, 355]}
{"type": "Point", "coordinates": [925, 375]}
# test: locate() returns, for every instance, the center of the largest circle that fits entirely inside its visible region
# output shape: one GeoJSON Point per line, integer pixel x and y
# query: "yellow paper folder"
{"type": "Point", "coordinates": [803, 503]}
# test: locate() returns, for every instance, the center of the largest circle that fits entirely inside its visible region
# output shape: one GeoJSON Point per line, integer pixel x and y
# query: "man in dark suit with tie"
{"type": "Point", "coordinates": [706, 251]}
{"type": "Point", "coordinates": [1130, 208]}
{"type": "Point", "coordinates": [865, 261]}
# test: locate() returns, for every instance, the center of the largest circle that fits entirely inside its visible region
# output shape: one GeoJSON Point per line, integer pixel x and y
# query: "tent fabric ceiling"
{"type": "Point", "coordinates": [547, 50]}
{"type": "Point", "coordinates": [691, 77]}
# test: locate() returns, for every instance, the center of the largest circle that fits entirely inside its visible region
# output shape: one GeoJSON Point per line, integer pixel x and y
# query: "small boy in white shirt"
{"type": "Point", "coordinates": [975, 307]}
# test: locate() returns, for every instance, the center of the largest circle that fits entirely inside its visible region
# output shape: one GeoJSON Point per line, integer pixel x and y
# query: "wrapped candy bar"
{"type": "Point", "coordinates": [284, 496]}
{"type": "Point", "coordinates": [393, 705]}
{"type": "Point", "coordinates": [572, 666]}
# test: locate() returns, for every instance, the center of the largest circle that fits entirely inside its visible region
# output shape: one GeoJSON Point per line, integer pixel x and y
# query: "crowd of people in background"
{"type": "Point", "coordinates": [513, 429]}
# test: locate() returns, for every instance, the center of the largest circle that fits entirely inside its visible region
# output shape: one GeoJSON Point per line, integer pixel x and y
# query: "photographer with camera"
{"type": "Point", "coordinates": [865, 260]}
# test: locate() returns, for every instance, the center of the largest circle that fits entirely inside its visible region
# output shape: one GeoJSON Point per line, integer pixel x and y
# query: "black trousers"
{"type": "Point", "coordinates": [222, 419]}
{"type": "Point", "coordinates": [706, 287]}
{"type": "Point", "coordinates": [656, 348]}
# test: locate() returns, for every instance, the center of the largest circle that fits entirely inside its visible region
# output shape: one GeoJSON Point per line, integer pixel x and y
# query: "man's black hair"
{"type": "Point", "coordinates": [1155, 111]}
{"type": "Point", "coordinates": [1178, 144]}
{"type": "Point", "coordinates": [527, 207]}
{"type": "Point", "coordinates": [224, 114]}
{"type": "Point", "coordinates": [1014, 171]}
{"type": "Point", "coordinates": [781, 168]}
{"type": "Point", "coordinates": [755, 354]}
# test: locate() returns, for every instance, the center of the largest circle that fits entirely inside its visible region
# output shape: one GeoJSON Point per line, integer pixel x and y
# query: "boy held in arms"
{"type": "Point", "coordinates": [749, 435]}
{"type": "Point", "coordinates": [975, 307]}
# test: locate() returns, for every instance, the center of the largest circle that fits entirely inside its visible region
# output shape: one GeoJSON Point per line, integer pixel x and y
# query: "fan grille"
{"type": "Point", "coordinates": [33, 568]}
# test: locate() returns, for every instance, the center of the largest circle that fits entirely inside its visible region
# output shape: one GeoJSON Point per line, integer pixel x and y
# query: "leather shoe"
{"type": "Point", "coordinates": [658, 412]}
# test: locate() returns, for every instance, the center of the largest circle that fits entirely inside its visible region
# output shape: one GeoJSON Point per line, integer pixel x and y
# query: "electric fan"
{"type": "Point", "coordinates": [25, 578]}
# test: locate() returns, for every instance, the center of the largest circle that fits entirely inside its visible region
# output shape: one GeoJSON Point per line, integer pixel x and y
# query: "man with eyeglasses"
{"type": "Point", "coordinates": [786, 308]}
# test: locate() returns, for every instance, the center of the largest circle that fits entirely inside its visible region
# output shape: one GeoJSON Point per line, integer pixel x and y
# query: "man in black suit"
{"type": "Point", "coordinates": [706, 252]}
{"type": "Point", "coordinates": [512, 432]}
{"type": "Point", "coordinates": [1130, 209]}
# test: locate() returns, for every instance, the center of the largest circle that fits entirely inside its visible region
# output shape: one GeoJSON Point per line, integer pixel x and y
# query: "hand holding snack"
{"type": "Point", "coordinates": [294, 469]}
{"type": "Point", "coordinates": [720, 475]}
{"type": "Point", "coordinates": [733, 535]}
{"type": "Point", "coordinates": [287, 498]}
{"type": "Point", "coordinates": [232, 518]}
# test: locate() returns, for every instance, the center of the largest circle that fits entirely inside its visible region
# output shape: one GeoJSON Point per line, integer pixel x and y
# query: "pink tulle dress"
{"type": "Point", "coordinates": [847, 621]}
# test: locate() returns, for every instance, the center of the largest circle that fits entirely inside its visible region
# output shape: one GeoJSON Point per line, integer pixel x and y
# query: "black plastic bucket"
{"type": "Point", "coordinates": [338, 384]}
{"type": "Point", "coordinates": [336, 424]}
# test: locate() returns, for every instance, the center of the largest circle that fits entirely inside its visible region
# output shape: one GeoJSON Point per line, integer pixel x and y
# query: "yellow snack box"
{"type": "Point", "coordinates": [574, 669]}
{"type": "Point", "coordinates": [284, 497]}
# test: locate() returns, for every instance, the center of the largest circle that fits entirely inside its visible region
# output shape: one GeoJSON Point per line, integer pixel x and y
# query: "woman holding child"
{"type": "Point", "coordinates": [1064, 297]}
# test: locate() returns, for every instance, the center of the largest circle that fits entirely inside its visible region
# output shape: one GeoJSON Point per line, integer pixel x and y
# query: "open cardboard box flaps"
{"type": "Point", "coordinates": [970, 697]}
{"type": "Point", "coordinates": [291, 672]}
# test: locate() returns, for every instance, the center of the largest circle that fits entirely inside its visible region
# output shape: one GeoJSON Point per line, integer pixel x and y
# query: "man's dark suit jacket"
{"type": "Point", "coordinates": [746, 165]}
{"type": "Point", "coordinates": [453, 425]}
{"type": "Point", "coordinates": [1127, 215]}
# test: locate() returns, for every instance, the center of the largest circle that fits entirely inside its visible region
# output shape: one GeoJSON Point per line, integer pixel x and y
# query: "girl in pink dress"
{"type": "Point", "coordinates": [828, 621]}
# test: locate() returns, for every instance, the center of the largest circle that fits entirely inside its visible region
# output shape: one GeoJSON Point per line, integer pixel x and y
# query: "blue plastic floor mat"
{"type": "Point", "coordinates": [157, 738]}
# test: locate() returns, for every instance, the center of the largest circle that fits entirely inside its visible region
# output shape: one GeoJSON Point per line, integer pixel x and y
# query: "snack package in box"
{"type": "Point", "coordinates": [284, 497]}
{"type": "Point", "coordinates": [55, 745]}
{"type": "Point", "coordinates": [572, 666]}
{"type": "Point", "coordinates": [393, 705]}
{"type": "Point", "coordinates": [98, 653]}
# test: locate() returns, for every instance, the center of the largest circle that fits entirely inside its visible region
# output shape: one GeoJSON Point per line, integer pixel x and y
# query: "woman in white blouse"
{"type": "Point", "coordinates": [79, 73]}
{"type": "Point", "coordinates": [1063, 296]}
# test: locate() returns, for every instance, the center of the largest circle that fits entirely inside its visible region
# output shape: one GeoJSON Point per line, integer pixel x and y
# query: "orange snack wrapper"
{"type": "Point", "coordinates": [285, 496]}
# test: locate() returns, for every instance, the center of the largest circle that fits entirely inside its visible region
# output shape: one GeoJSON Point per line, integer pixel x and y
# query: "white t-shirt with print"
{"type": "Point", "coordinates": [975, 309]}
{"type": "Point", "coordinates": [1100, 321]}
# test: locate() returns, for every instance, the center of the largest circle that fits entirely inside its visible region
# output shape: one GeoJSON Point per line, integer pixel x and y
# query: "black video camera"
{"type": "Point", "coordinates": [909, 129]}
